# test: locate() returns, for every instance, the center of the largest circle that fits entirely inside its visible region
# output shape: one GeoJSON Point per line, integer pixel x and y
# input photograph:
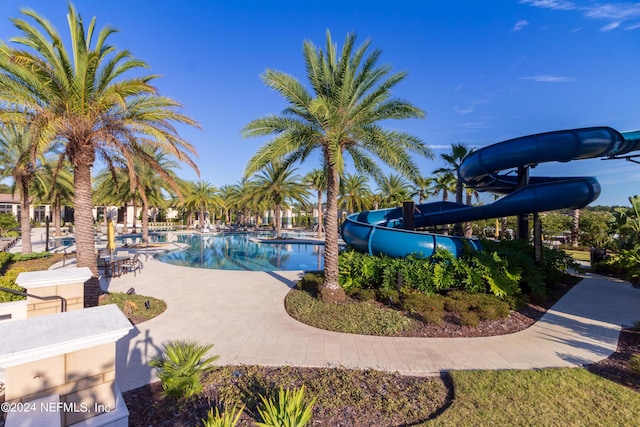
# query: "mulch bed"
{"type": "Point", "coordinates": [616, 367]}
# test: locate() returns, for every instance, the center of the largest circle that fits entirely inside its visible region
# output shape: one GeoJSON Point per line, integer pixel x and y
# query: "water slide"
{"type": "Point", "coordinates": [384, 231]}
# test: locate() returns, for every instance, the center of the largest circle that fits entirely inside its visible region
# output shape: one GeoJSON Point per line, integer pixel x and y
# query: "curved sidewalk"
{"type": "Point", "coordinates": [243, 315]}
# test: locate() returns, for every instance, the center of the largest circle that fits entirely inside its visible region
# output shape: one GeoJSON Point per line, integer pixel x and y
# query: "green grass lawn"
{"type": "Point", "coordinates": [558, 397]}
{"type": "Point", "coordinates": [579, 255]}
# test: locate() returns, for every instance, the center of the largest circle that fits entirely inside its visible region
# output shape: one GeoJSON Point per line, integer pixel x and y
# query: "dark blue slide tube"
{"type": "Point", "coordinates": [381, 231]}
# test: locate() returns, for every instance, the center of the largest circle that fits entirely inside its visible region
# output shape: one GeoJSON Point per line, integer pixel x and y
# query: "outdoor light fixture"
{"type": "Point", "coordinates": [147, 304]}
{"type": "Point", "coordinates": [131, 291]}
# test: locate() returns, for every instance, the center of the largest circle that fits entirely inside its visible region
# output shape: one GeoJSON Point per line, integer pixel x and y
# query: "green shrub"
{"type": "Point", "coordinates": [229, 418]}
{"type": "Point", "coordinates": [27, 257]}
{"type": "Point", "coordinates": [365, 294]}
{"type": "Point", "coordinates": [310, 283]}
{"type": "Point", "coordinates": [626, 264]}
{"type": "Point", "coordinates": [456, 305]}
{"type": "Point", "coordinates": [289, 410]}
{"type": "Point", "coordinates": [433, 316]}
{"type": "Point", "coordinates": [415, 302]}
{"type": "Point", "coordinates": [5, 258]}
{"type": "Point", "coordinates": [469, 318]}
{"type": "Point", "coordinates": [9, 281]}
{"type": "Point", "coordinates": [388, 296]}
{"type": "Point", "coordinates": [634, 364]}
{"type": "Point", "coordinates": [180, 367]}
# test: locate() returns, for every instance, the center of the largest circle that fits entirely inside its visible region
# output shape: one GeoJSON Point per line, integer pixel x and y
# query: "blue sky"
{"type": "Point", "coordinates": [483, 71]}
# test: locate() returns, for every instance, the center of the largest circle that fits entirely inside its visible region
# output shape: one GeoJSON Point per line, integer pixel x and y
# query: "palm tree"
{"type": "Point", "coordinates": [150, 183]}
{"type": "Point", "coordinates": [423, 188]}
{"type": "Point", "coordinates": [394, 190]}
{"type": "Point", "coordinates": [202, 197]}
{"type": "Point", "coordinates": [445, 184]}
{"type": "Point", "coordinates": [453, 161]}
{"type": "Point", "coordinates": [17, 161]}
{"type": "Point", "coordinates": [470, 193]}
{"type": "Point", "coordinates": [53, 184]}
{"type": "Point", "coordinates": [350, 95]}
{"type": "Point", "coordinates": [278, 187]}
{"type": "Point", "coordinates": [82, 97]}
{"type": "Point", "coordinates": [317, 180]}
{"type": "Point", "coordinates": [354, 193]}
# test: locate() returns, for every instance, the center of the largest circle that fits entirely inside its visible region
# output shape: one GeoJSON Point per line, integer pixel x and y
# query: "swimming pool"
{"type": "Point", "coordinates": [123, 239]}
{"type": "Point", "coordinates": [240, 251]}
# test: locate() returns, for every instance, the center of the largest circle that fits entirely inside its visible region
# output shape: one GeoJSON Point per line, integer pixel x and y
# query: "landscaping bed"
{"type": "Point", "coordinates": [348, 398]}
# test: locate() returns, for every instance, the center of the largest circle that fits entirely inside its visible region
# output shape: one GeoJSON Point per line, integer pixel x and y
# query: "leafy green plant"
{"type": "Point", "coordinates": [180, 367]}
{"type": "Point", "coordinates": [229, 418]}
{"type": "Point", "coordinates": [289, 410]}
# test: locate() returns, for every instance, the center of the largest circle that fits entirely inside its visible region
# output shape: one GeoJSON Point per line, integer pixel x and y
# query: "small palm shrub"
{"type": "Point", "coordinates": [289, 410]}
{"type": "Point", "coordinates": [180, 367]}
{"type": "Point", "coordinates": [229, 418]}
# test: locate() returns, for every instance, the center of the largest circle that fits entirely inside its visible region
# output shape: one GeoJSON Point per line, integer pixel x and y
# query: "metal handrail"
{"type": "Point", "coordinates": [63, 302]}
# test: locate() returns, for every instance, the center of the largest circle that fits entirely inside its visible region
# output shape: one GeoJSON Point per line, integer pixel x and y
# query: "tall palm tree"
{"type": "Point", "coordinates": [350, 94]}
{"type": "Point", "coordinates": [53, 184]}
{"type": "Point", "coordinates": [278, 187]}
{"type": "Point", "coordinates": [422, 187]}
{"type": "Point", "coordinates": [81, 95]}
{"type": "Point", "coordinates": [18, 162]}
{"type": "Point", "coordinates": [354, 193]}
{"type": "Point", "coordinates": [203, 197]}
{"type": "Point", "coordinates": [445, 184]}
{"type": "Point", "coordinates": [470, 194]}
{"type": "Point", "coordinates": [453, 160]}
{"type": "Point", "coordinates": [394, 190]}
{"type": "Point", "coordinates": [317, 180]}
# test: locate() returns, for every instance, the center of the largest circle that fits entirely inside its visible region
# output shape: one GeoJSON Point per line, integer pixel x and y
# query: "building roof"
{"type": "Point", "coordinates": [9, 198]}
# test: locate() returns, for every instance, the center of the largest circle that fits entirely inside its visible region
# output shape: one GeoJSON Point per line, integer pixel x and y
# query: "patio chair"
{"type": "Point", "coordinates": [132, 264]}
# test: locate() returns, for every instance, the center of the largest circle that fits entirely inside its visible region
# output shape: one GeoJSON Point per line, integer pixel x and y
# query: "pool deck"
{"type": "Point", "coordinates": [243, 315]}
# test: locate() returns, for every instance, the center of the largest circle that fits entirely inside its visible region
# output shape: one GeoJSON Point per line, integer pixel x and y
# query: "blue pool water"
{"type": "Point", "coordinates": [239, 252]}
{"type": "Point", "coordinates": [124, 239]}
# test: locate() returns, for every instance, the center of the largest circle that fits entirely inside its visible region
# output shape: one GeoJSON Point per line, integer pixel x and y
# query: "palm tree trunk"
{"type": "Point", "coordinates": [125, 219]}
{"type": "Point", "coordinates": [135, 216]}
{"type": "Point", "coordinates": [57, 223]}
{"type": "Point", "coordinates": [468, 226]}
{"type": "Point", "coordinates": [145, 223]}
{"type": "Point", "coordinates": [25, 221]}
{"type": "Point", "coordinates": [83, 218]}
{"type": "Point", "coordinates": [575, 228]}
{"type": "Point", "coordinates": [320, 214]}
{"type": "Point", "coordinates": [331, 290]}
{"type": "Point", "coordinates": [277, 221]}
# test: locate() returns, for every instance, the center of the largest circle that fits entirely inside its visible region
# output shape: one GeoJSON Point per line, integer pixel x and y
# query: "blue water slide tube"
{"type": "Point", "coordinates": [382, 231]}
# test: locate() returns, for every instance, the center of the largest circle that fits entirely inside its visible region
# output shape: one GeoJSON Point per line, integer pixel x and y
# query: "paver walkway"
{"type": "Point", "coordinates": [242, 314]}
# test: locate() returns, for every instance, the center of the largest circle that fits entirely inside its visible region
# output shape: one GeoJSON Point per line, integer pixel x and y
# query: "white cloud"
{"type": "Point", "coordinates": [615, 13]}
{"type": "Point", "coordinates": [551, 4]}
{"type": "Point", "coordinates": [438, 147]}
{"type": "Point", "coordinates": [611, 26]}
{"type": "Point", "coordinates": [520, 25]}
{"type": "Point", "coordinates": [548, 78]}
